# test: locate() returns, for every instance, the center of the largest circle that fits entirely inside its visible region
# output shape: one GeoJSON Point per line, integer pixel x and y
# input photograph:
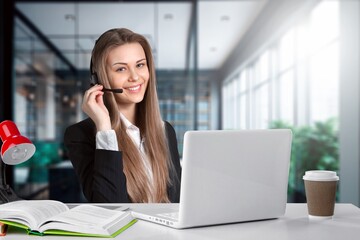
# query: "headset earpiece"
{"type": "Point", "coordinates": [93, 77]}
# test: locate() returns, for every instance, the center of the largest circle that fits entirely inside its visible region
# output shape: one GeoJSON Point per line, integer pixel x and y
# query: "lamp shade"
{"type": "Point", "coordinates": [16, 148]}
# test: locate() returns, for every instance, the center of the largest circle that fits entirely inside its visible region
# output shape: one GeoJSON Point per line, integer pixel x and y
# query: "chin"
{"type": "Point", "coordinates": [137, 100]}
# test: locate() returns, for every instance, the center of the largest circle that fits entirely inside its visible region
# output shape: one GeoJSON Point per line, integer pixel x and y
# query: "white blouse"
{"type": "Point", "coordinates": [107, 140]}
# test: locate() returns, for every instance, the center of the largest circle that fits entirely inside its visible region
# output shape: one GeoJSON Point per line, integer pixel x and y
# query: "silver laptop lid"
{"type": "Point", "coordinates": [234, 175]}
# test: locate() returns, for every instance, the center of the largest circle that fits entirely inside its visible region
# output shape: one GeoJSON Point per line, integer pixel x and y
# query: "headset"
{"type": "Point", "coordinates": [94, 79]}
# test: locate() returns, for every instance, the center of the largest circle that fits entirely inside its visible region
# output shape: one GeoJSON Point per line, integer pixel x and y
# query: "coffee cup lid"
{"type": "Point", "coordinates": [320, 175]}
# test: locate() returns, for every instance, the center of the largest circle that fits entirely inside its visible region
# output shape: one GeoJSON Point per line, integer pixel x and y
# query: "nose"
{"type": "Point", "coordinates": [133, 75]}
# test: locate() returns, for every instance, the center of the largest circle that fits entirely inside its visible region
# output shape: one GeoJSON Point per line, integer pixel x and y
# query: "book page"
{"type": "Point", "coordinates": [31, 212]}
{"type": "Point", "coordinates": [87, 219]}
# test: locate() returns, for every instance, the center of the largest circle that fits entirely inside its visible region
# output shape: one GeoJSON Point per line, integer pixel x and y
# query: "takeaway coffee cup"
{"type": "Point", "coordinates": [320, 190]}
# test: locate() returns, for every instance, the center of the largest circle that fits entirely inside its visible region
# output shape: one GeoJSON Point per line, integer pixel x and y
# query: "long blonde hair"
{"type": "Point", "coordinates": [148, 120]}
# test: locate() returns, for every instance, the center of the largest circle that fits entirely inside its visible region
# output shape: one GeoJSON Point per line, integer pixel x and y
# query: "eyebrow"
{"type": "Point", "coordinates": [122, 63]}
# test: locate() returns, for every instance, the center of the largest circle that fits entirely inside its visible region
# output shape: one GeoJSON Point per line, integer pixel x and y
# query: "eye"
{"type": "Point", "coordinates": [140, 65]}
{"type": "Point", "coordinates": [120, 69]}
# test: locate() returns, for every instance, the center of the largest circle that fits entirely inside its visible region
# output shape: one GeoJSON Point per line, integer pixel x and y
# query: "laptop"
{"type": "Point", "coordinates": [228, 176]}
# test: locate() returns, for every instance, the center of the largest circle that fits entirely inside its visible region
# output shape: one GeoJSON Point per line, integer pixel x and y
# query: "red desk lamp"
{"type": "Point", "coordinates": [14, 150]}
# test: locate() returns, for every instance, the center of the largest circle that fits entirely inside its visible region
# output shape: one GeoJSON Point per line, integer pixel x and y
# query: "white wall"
{"type": "Point", "coordinates": [349, 103]}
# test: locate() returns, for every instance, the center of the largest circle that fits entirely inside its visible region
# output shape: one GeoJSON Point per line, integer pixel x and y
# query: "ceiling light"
{"type": "Point", "coordinates": [168, 16]}
{"type": "Point", "coordinates": [65, 98]}
{"type": "Point", "coordinates": [31, 96]}
{"type": "Point", "coordinates": [213, 49]}
{"type": "Point", "coordinates": [225, 18]}
{"type": "Point", "coordinates": [69, 17]}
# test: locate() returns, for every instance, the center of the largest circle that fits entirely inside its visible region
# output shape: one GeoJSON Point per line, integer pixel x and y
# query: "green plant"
{"type": "Point", "coordinates": [313, 148]}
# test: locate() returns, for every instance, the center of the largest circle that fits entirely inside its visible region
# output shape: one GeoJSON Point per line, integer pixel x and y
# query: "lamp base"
{"type": "Point", "coordinates": [7, 194]}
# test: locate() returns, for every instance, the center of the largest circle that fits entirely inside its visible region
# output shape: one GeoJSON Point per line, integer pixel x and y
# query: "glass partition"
{"type": "Point", "coordinates": [44, 104]}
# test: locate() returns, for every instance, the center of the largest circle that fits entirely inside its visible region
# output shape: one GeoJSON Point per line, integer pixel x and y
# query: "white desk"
{"type": "Point", "coordinates": [294, 225]}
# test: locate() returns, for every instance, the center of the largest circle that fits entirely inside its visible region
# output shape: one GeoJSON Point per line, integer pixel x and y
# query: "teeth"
{"type": "Point", "coordinates": [134, 88]}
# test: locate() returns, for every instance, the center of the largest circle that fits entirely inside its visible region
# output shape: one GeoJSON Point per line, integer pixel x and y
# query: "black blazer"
{"type": "Point", "coordinates": [101, 171]}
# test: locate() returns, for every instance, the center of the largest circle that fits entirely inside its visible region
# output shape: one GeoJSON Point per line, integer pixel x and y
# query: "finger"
{"type": "Point", "coordinates": [92, 95]}
{"type": "Point", "coordinates": [93, 89]}
{"type": "Point", "coordinates": [100, 98]}
{"type": "Point", "coordinates": [90, 101]}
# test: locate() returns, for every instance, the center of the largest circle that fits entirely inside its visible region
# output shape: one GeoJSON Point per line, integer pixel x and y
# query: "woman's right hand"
{"type": "Point", "coordinates": [93, 105]}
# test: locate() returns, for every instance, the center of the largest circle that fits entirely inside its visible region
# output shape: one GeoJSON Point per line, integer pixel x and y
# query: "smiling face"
{"type": "Point", "coordinates": [127, 69]}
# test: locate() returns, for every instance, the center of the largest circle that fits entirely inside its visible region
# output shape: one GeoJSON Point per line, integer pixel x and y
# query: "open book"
{"type": "Point", "coordinates": [42, 217]}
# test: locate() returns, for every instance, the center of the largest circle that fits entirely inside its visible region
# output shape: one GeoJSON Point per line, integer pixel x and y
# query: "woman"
{"type": "Point", "coordinates": [124, 152]}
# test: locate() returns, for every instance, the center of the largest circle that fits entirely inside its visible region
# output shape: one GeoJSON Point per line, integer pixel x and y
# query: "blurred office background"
{"type": "Point", "coordinates": [246, 64]}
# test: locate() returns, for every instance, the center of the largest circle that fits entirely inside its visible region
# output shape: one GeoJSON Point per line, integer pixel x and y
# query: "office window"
{"type": "Point", "coordinates": [263, 67]}
{"type": "Point", "coordinates": [324, 63]}
{"type": "Point", "coordinates": [261, 91]}
{"type": "Point", "coordinates": [324, 74]}
{"type": "Point", "coordinates": [261, 104]}
{"type": "Point", "coordinates": [286, 97]}
{"type": "Point", "coordinates": [286, 51]}
{"type": "Point", "coordinates": [294, 82]}
{"type": "Point", "coordinates": [229, 106]}
{"type": "Point", "coordinates": [243, 100]}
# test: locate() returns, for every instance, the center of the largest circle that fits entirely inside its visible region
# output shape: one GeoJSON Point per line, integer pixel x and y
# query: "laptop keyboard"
{"type": "Point", "coordinates": [172, 215]}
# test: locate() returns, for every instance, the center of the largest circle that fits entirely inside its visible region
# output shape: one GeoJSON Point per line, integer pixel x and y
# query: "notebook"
{"type": "Point", "coordinates": [228, 176]}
